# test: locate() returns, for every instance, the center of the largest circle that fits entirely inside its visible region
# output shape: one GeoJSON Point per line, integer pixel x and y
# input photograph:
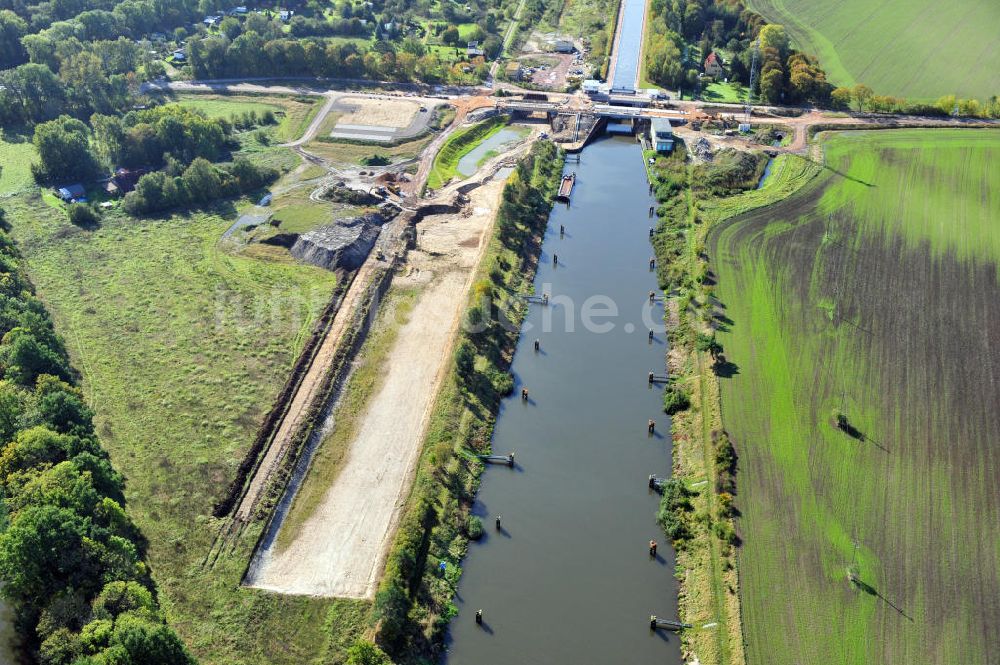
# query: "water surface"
{"type": "Point", "coordinates": [629, 45]}
{"type": "Point", "coordinates": [470, 162]}
{"type": "Point", "coordinates": [568, 580]}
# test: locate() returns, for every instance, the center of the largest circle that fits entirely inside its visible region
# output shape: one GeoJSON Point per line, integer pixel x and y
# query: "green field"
{"type": "Point", "coordinates": [873, 292]}
{"type": "Point", "coordinates": [294, 113]}
{"type": "Point", "coordinates": [921, 49]}
{"type": "Point", "coordinates": [182, 348]}
{"type": "Point", "coordinates": [16, 155]}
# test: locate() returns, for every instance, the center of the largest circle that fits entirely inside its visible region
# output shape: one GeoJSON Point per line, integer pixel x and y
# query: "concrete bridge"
{"type": "Point", "coordinates": [609, 111]}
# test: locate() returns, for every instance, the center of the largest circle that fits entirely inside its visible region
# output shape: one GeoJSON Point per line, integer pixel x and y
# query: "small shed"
{"type": "Point", "coordinates": [662, 135]}
{"type": "Point", "coordinates": [74, 192]}
{"type": "Point", "coordinates": [591, 86]}
{"type": "Point", "coordinates": [513, 71]}
{"type": "Point", "coordinates": [563, 46]}
{"type": "Point", "coordinates": [473, 50]}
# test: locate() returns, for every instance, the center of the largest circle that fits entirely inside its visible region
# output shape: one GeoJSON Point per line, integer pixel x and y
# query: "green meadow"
{"type": "Point", "coordinates": [183, 345]}
{"type": "Point", "coordinates": [293, 113]}
{"type": "Point", "coordinates": [871, 294]}
{"type": "Point", "coordinates": [921, 49]}
{"type": "Point", "coordinates": [16, 154]}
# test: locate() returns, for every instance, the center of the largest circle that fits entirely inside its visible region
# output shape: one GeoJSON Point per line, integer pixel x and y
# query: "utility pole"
{"type": "Point", "coordinates": [753, 78]}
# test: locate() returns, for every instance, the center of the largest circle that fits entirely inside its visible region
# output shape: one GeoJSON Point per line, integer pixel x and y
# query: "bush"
{"type": "Point", "coordinates": [375, 160]}
{"type": "Point", "coordinates": [675, 399]}
{"type": "Point", "coordinates": [474, 528]}
{"type": "Point", "coordinates": [366, 653]}
{"type": "Point", "coordinates": [503, 382]}
{"type": "Point", "coordinates": [82, 215]}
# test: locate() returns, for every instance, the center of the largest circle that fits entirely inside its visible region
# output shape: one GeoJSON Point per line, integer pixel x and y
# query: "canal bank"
{"type": "Point", "coordinates": [567, 578]}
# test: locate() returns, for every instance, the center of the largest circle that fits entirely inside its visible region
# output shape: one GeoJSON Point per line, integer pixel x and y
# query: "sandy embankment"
{"type": "Point", "coordinates": [341, 549]}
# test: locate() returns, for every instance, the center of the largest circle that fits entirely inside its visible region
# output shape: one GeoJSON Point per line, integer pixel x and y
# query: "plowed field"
{"type": "Point", "coordinates": [872, 292]}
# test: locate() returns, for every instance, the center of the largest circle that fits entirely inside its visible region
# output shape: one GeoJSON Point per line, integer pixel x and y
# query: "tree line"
{"type": "Point", "coordinates": [71, 559]}
{"type": "Point", "coordinates": [250, 54]}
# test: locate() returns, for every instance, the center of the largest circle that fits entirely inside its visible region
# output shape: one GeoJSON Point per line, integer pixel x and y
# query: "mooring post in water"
{"type": "Point", "coordinates": [651, 377]}
{"type": "Point", "coordinates": [652, 620]}
{"type": "Point", "coordinates": [650, 188]}
{"type": "Point", "coordinates": [538, 345]}
{"type": "Point", "coordinates": [524, 394]}
{"type": "Point", "coordinates": [652, 548]}
{"type": "Point", "coordinates": [555, 259]}
{"type": "Point", "coordinates": [562, 230]}
{"type": "Point", "coordinates": [652, 296]}
{"type": "Point", "coordinates": [545, 298]}
{"type": "Point", "coordinates": [650, 232]}
{"type": "Point", "coordinates": [650, 336]}
{"type": "Point", "coordinates": [498, 522]}
{"type": "Point", "coordinates": [651, 210]}
{"type": "Point", "coordinates": [510, 460]}
{"type": "Point", "coordinates": [652, 263]}
{"type": "Point", "coordinates": [652, 481]}
{"type": "Point", "coordinates": [651, 426]}
{"type": "Point", "coordinates": [479, 617]}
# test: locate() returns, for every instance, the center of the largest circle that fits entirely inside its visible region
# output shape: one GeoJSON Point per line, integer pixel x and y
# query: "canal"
{"type": "Point", "coordinates": [568, 578]}
{"type": "Point", "coordinates": [629, 45]}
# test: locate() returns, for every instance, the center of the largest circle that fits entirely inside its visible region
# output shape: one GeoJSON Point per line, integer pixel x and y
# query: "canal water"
{"type": "Point", "coordinates": [568, 578]}
{"type": "Point", "coordinates": [629, 44]}
{"type": "Point", "coordinates": [468, 165]}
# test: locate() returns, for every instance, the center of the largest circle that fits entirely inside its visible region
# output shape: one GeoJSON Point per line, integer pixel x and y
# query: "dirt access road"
{"type": "Point", "coordinates": [341, 549]}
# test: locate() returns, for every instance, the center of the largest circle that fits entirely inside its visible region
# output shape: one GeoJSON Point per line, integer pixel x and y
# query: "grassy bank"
{"type": "Point", "coordinates": [414, 602]}
{"type": "Point", "coordinates": [860, 403]}
{"type": "Point", "coordinates": [458, 145]}
{"type": "Point", "coordinates": [696, 511]}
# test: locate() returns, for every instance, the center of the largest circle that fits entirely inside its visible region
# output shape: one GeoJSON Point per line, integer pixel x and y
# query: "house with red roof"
{"type": "Point", "coordinates": [713, 65]}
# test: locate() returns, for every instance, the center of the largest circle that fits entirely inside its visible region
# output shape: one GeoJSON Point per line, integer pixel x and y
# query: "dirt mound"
{"type": "Point", "coordinates": [344, 245]}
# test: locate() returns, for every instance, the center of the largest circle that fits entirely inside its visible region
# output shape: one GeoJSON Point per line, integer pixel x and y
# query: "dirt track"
{"type": "Point", "coordinates": [341, 549]}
